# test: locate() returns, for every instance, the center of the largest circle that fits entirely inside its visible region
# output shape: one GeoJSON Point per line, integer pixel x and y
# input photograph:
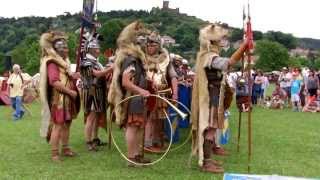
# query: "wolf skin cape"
{"type": "Point", "coordinates": [127, 46]}
{"type": "Point", "coordinates": [200, 94]}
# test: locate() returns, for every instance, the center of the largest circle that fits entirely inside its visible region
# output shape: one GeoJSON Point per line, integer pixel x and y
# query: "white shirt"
{"type": "Point", "coordinates": [17, 86]}
{"type": "Point", "coordinates": [285, 80]}
{"type": "Point", "coordinates": [265, 83]}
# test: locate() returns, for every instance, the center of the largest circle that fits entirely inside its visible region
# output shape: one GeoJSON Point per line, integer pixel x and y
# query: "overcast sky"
{"type": "Point", "coordinates": [299, 17]}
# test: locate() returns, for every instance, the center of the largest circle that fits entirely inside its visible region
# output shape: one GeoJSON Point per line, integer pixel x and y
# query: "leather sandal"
{"type": "Point", "coordinates": [130, 164]}
{"type": "Point", "coordinates": [215, 162]}
{"type": "Point", "coordinates": [98, 142]}
{"type": "Point", "coordinates": [91, 146]}
{"type": "Point", "coordinates": [141, 159]}
{"type": "Point", "coordinates": [220, 151]}
{"type": "Point", "coordinates": [67, 152]}
{"type": "Point", "coordinates": [210, 167]}
{"type": "Point", "coordinates": [55, 155]}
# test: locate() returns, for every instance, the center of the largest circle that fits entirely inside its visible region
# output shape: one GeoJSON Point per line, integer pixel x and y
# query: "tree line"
{"type": "Point", "coordinates": [20, 37]}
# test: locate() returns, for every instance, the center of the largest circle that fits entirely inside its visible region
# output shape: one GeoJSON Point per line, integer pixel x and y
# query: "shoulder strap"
{"type": "Point", "coordinates": [21, 78]}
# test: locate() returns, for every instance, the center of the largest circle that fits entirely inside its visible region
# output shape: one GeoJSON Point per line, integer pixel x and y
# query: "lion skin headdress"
{"type": "Point", "coordinates": [47, 41]}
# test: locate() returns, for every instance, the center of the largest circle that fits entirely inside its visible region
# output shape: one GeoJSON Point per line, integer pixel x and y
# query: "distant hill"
{"type": "Point", "coordinates": [309, 43]}
{"type": "Point", "coordinates": [19, 36]}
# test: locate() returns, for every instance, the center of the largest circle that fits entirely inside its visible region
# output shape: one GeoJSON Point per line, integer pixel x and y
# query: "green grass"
{"type": "Point", "coordinates": [284, 143]}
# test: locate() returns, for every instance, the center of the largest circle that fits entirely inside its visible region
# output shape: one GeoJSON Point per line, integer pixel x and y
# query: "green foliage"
{"type": "Point", "coordinates": [272, 55]}
{"type": "Point", "coordinates": [110, 31]}
{"type": "Point", "coordinates": [257, 35]}
{"type": "Point", "coordinates": [236, 34]}
{"type": "Point", "coordinates": [27, 54]}
{"type": "Point", "coordinates": [186, 35]}
{"type": "Point", "coordinates": [228, 52]}
{"type": "Point", "coordinates": [32, 58]}
{"type": "Point", "coordinates": [183, 28]}
{"type": "Point", "coordinates": [314, 63]}
{"type": "Point", "coordinates": [1, 62]}
{"type": "Point", "coordinates": [72, 44]}
{"type": "Point", "coordinates": [296, 62]}
{"type": "Point", "coordinates": [317, 63]}
{"type": "Point", "coordinates": [288, 40]}
{"type": "Point", "coordinates": [304, 62]}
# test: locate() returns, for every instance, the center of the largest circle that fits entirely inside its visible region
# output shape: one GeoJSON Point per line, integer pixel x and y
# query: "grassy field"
{"type": "Point", "coordinates": [284, 143]}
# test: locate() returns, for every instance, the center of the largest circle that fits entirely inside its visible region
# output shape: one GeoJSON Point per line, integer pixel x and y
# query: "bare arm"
{"type": "Point", "coordinates": [102, 72]}
{"type": "Point", "coordinates": [306, 84]}
{"type": "Point", "coordinates": [130, 86]}
{"type": "Point", "coordinates": [174, 84]}
{"type": "Point", "coordinates": [63, 89]}
{"type": "Point", "coordinates": [236, 56]}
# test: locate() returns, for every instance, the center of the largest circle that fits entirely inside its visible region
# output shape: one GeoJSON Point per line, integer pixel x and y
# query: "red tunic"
{"type": "Point", "coordinates": [59, 115]}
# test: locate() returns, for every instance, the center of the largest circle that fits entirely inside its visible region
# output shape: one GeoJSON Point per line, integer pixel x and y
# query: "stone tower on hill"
{"type": "Point", "coordinates": [165, 7]}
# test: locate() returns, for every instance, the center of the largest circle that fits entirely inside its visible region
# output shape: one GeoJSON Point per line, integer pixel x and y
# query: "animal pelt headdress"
{"type": "Point", "coordinates": [209, 38]}
{"type": "Point", "coordinates": [47, 41]}
{"type": "Point", "coordinates": [128, 45]}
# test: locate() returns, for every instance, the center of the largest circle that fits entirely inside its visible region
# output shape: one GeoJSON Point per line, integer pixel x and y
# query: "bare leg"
{"type": "Point", "coordinates": [88, 131]}
{"type": "Point", "coordinates": [132, 143]}
{"type": "Point", "coordinates": [218, 135]}
{"type": "Point", "coordinates": [210, 165]}
{"type": "Point", "coordinates": [148, 133]}
{"type": "Point", "coordinates": [65, 134]}
{"type": "Point", "coordinates": [95, 129]}
{"type": "Point", "coordinates": [65, 140]}
{"type": "Point", "coordinates": [157, 132]}
{"type": "Point", "coordinates": [140, 145]}
{"type": "Point", "coordinates": [210, 134]}
{"type": "Point", "coordinates": [54, 141]}
{"type": "Point", "coordinates": [89, 126]}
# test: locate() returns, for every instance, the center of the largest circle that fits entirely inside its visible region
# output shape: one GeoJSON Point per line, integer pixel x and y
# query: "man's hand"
{"type": "Point", "coordinates": [73, 94]}
{"type": "Point", "coordinates": [76, 75]}
{"type": "Point", "coordinates": [144, 93]}
{"type": "Point", "coordinates": [111, 66]}
{"type": "Point", "coordinates": [175, 96]}
{"type": "Point", "coordinates": [109, 77]}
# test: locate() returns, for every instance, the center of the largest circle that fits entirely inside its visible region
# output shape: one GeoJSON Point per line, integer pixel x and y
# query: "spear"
{"type": "Point", "coordinates": [89, 24]}
{"type": "Point", "coordinates": [242, 65]}
{"type": "Point", "coordinates": [86, 22]}
{"type": "Point", "coordinates": [249, 37]}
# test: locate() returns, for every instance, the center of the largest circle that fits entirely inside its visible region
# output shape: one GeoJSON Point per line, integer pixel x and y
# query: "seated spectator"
{"type": "Point", "coordinates": [318, 97]}
{"type": "Point", "coordinates": [280, 92]}
{"type": "Point", "coordinates": [276, 102]}
{"type": "Point", "coordinates": [267, 102]}
{"type": "Point", "coordinates": [312, 105]}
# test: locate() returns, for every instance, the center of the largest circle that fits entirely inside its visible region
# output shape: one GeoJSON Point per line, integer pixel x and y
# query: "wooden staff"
{"type": "Point", "coordinates": [239, 132]}
{"type": "Point", "coordinates": [108, 129]}
{"type": "Point", "coordinates": [249, 36]}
